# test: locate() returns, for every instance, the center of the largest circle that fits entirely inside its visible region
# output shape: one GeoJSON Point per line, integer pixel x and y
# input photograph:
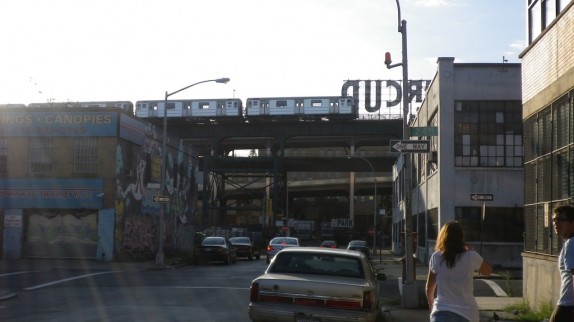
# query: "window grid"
{"type": "Point", "coordinates": [41, 156]}
{"type": "Point", "coordinates": [488, 134]}
{"type": "Point", "coordinates": [86, 155]}
{"type": "Point", "coordinates": [541, 13]}
{"type": "Point", "coordinates": [548, 167]}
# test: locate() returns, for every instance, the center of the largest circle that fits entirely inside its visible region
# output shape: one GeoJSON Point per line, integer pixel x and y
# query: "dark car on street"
{"type": "Point", "coordinates": [216, 249]}
{"type": "Point", "coordinates": [245, 248]}
{"type": "Point", "coordinates": [329, 244]}
{"type": "Point", "coordinates": [360, 245]}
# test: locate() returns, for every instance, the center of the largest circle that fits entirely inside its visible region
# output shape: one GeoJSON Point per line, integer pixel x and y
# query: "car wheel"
{"type": "Point", "coordinates": [250, 257]}
{"type": "Point", "coordinates": [258, 256]}
{"type": "Point", "coordinates": [268, 261]}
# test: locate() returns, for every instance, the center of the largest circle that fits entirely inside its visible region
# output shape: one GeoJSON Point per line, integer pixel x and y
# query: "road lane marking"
{"type": "Point", "coordinates": [16, 273]}
{"type": "Point", "coordinates": [31, 288]}
{"type": "Point", "coordinates": [497, 289]}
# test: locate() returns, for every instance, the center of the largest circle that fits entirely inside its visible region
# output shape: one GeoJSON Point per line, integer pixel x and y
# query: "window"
{"type": "Point", "coordinates": [541, 13]}
{"type": "Point", "coordinates": [488, 134]}
{"type": "Point", "coordinates": [3, 158]}
{"type": "Point", "coordinates": [41, 160]}
{"type": "Point", "coordinates": [498, 224]}
{"type": "Point", "coordinates": [316, 103]}
{"type": "Point", "coordinates": [432, 161]}
{"type": "Point", "coordinates": [86, 155]}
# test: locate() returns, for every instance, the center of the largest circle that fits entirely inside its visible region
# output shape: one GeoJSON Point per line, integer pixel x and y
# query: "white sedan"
{"type": "Point", "coordinates": [278, 243]}
{"type": "Point", "coordinates": [314, 284]}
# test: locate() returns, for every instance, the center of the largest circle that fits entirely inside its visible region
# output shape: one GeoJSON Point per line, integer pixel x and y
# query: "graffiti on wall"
{"type": "Point", "coordinates": [56, 227]}
{"type": "Point", "coordinates": [137, 216]}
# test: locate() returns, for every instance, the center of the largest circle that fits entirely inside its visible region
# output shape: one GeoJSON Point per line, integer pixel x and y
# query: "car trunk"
{"type": "Point", "coordinates": [319, 291]}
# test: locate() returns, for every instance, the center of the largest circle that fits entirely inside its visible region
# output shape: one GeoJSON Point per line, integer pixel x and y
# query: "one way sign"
{"type": "Point", "coordinates": [410, 146]}
{"type": "Point", "coordinates": [481, 197]}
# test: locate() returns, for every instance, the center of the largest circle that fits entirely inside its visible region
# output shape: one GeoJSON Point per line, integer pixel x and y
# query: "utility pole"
{"type": "Point", "coordinates": [410, 292]}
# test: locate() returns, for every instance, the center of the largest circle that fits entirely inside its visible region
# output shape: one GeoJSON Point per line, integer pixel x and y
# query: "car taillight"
{"type": "Point", "coordinates": [338, 304]}
{"type": "Point", "coordinates": [269, 248]}
{"type": "Point", "coordinates": [368, 299]}
{"type": "Point", "coordinates": [254, 292]}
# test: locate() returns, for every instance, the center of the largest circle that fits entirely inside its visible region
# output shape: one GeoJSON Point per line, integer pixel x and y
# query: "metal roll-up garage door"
{"type": "Point", "coordinates": [60, 234]}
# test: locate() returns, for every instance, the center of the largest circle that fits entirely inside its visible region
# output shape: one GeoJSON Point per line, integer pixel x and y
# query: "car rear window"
{"type": "Point", "coordinates": [319, 264]}
{"type": "Point", "coordinates": [212, 241]}
{"type": "Point", "coordinates": [288, 241]}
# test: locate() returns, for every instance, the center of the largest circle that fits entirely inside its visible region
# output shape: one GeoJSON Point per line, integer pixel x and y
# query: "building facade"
{"type": "Point", "coordinates": [474, 171]}
{"type": "Point", "coordinates": [79, 182]}
{"type": "Point", "coordinates": [548, 112]}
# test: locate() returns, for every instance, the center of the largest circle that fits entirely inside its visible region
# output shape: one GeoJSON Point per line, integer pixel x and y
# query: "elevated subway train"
{"type": "Point", "coordinates": [213, 110]}
{"type": "Point", "coordinates": [269, 108]}
{"type": "Point", "coordinates": [126, 106]}
{"type": "Point", "coordinates": [201, 109]}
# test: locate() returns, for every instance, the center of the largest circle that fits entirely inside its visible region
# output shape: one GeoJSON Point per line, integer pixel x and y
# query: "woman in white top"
{"type": "Point", "coordinates": [450, 277]}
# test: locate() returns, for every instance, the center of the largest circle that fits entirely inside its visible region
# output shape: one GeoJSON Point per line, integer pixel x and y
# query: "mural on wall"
{"type": "Point", "coordinates": [137, 180]}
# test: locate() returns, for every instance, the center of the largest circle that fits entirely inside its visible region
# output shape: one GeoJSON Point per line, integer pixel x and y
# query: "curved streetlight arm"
{"type": "Point", "coordinates": [218, 80]}
{"type": "Point", "coordinates": [399, 16]}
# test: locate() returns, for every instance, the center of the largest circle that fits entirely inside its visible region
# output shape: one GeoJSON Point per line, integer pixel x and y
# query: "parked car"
{"type": "Point", "coordinates": [278, 243]}
{"type": "Point", "coordinates": [316, 284]}
{"type": "Point", "coordinates": [329, 244]}
{"type": "Point", "coordinates": [216, 249]}
{"type": "Point", "coordinates": [360, 245]}
{"type": "Point", "coordinates": [245, 248]}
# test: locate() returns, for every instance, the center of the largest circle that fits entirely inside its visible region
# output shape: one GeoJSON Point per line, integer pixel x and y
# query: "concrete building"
{"type": "Point", "coordinates": [548, 112]}
{"type": "Point", "coordinates": [474, 171]}
{"type": "Point", "coordinates": [78, 181]}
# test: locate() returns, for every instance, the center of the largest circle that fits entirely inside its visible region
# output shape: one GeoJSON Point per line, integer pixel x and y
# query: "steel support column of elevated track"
{"type": "Point", "coordinates": [222, 185]}
{"type": "Point", "coordinates": [219, 174]}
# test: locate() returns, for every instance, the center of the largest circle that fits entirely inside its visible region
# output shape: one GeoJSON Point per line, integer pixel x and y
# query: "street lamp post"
{"type": "Point", "coordinates": [160, 257]}
{"type": "Point", "coordinates": [410, 295]}
{"type": "Point", "coordinates": [374, 201]}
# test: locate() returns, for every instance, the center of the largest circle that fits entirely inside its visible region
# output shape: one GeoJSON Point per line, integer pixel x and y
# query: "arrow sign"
{"type": "Point", "coordinates": [161, 199]}
{"type": "Point", "coordinates": [410, 146]}
{"type": "Point", "coordinates": [481, 197]}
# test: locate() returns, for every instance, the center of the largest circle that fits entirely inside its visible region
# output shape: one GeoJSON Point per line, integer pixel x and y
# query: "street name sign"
{"type": "Point", "coordinates": [161, 199]}
{"type": "Point", "coordinates": [481, 197]}
{"type": "Point", "coordinates": [424, 131]}
{"type": "Point", "coordinates": [410, 146]}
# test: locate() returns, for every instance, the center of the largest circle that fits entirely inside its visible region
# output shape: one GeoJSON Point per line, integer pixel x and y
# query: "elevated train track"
{"type": "Point", "coordinates": [227, 178]}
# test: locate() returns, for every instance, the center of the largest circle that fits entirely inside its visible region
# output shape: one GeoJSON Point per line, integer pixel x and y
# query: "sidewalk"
{"type": "Point", "coordinates": [391, 265]}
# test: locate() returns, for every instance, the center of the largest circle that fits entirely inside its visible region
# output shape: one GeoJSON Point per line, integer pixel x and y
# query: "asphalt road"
{"type": "Point", "coordinates": [212, 292]}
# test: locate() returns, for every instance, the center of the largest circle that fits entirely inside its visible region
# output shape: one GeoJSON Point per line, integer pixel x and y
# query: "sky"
{"type": "Point", "coordinates": [130, 50]}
